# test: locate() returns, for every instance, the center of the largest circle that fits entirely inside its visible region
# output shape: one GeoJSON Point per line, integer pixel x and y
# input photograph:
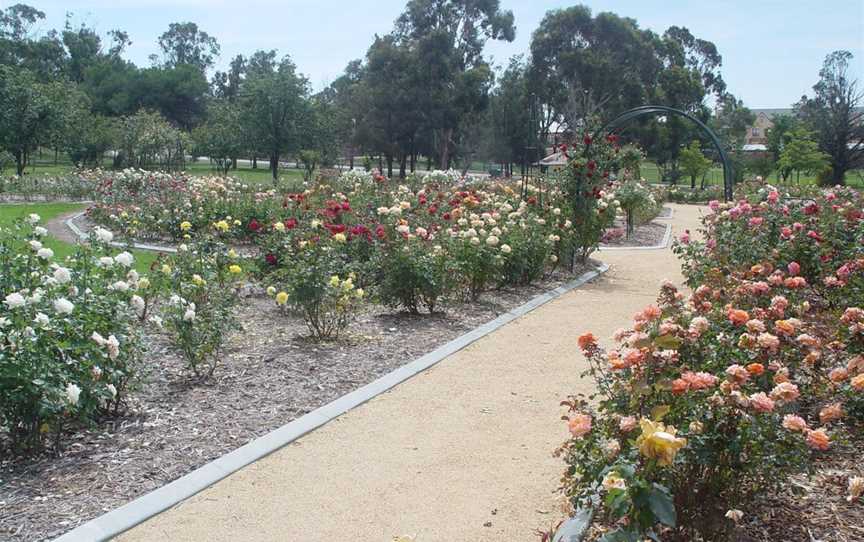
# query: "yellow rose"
{"type": "Point", "coordinates": [232, 253]}
{"type": "Point", "coordinates": [166, 268]}
{"type": "Point", "coordinates": [359, 293]}
{"type": "Point", "coordinates": [185, 226]}
{"type": "Point", "coordinates": [144, 283]}
{"type": "Point", "coordinates": [235, 269]}
{"type": "Point", "coordinates": [222, 226]}
{"type": "Point", "coordinates": [281, 298]}
{"type": "Point", "coordinates": [279, 226]}
{"type": "Point", "coordinates": [659, 442]}
{"type": "Point", "coordinates": [340, 238]}
{"type": "Point", "coordinates": [197, 280]}
{"type": "Point", "coordinates": [334, 281]}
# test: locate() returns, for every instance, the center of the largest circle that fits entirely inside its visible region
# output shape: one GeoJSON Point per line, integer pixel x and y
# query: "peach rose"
{"type": "Point", "coordinates": [627, 424]}
{"type": "Point", "coordinates": [579, 425]}
{"type": "Point", "coordinates": [755, 369]}
{"type": "Point", "coordinates": [794, 423]}
{"type": "Point", "coordinates": [858, 382]}
{"type": "Point", "coordinates": [818, 439]}
{"type": "Point", "coordinates": [586, 341]}
{"type": "Point", "coordinates": [738, 316]}
{"type": "Point", "coordinates": [830, 413]}
{"type": "Point", "coordinates": [761, 402]}
{"type": "Point", "coordinates": [785, 391]}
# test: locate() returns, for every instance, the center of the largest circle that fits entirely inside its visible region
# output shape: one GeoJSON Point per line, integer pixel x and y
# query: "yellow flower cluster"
{"type": "Point", "coordinates": [185, 225]}
{"type": "Point", "coordinates": [222, 226]}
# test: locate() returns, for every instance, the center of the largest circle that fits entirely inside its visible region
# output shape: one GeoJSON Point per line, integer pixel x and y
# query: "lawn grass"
{"type": "Point", "coordinates": [9, 213]}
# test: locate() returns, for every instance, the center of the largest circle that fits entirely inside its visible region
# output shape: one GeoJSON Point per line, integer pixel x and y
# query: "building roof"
{"type": "Point", "coordinates": [554, 159]}
{"type": "Point", "coordinates": [771, 113]}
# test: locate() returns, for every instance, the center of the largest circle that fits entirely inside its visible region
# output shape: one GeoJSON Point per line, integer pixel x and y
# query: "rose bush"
{"type": "Point", "coordinates": [713, 399]}
{"type": "Point", "coordinates": [69, 351]}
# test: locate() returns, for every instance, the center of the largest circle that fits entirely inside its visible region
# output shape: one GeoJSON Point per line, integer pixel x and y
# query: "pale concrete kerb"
{"type": "Point", "coordinates": [70, 223]}
{"type": "Point", "coordinates": [659, 246]}
{"type": "Point", "coordinates": [143, 508]}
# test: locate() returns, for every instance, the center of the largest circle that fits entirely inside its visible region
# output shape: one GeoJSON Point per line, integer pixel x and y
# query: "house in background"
{"type": "Point", "coordinates": [756, 139]}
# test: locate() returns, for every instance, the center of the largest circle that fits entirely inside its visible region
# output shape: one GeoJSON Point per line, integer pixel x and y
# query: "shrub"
{"type": "Point", "coordinates": [412, 275]}
{"type": "Point", "coordinates": [710, 401]}
{"type": "Point", "coordinates": [68, 349]}
{"type": "Point", "coordinates": [637, 202]}
{"type": "Point", "coordinates": [316, 282]}
{"type": "Point", "coordinates": [199, 282]}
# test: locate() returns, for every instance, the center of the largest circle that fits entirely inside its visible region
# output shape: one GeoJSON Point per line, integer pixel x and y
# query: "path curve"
{"type": "Point", "coordinates": [462, 451]}
{"type": "Point", "coordinates": [58, 229]}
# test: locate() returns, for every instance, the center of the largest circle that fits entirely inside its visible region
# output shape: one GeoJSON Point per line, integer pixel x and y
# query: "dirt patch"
{"type": "Point", "coordinates": [646, 235]}
{"type": "Point", "coordinates": [269, 375]}
{"type": "Point", "coordinates": [813, 508]}
{"type": "Point", "coordinates": [58, 229]}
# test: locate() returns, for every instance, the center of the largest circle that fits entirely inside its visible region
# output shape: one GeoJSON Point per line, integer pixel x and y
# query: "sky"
{"type": "Point", "coordinates": [772, 49]}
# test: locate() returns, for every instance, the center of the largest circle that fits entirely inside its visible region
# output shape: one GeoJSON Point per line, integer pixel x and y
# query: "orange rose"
{"type": "Point", "coordinates": [738, 316]}
{"type": "Point", "coordinates": [755, 369]}
{"type": "Point", "coordinates": [587, 340]}
{"type": "Point", "coordinates": [818, 439]}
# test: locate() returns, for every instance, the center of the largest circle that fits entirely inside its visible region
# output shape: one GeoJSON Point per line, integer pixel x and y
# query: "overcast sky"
{"type": "Point", "coordinates": [772, 49]}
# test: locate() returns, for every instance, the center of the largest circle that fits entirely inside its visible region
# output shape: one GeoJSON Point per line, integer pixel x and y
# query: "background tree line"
{"type": "Point", "coordinates": [422, 96]}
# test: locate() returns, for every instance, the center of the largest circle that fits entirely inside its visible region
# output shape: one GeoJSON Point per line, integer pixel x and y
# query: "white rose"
{"type": "Point", "coordinates": [42, 319]}
{"type": "Point", "coordinates": [112, 390]}
{"type": "Point", "coordinates": [33, 218]}
{"type": "Point", "coordinates": [124, 258]}
{"type": "Point", "coordinates": [45, 253]}
{"type": "Point", "coordinates": [492, 241]}
{"type": "Point", "coordinates": [189, 315]}
{"type": "Point", "coordinates": [138, 304]}
{"type": "Point", "coordinates": [40, 231]}
{"type": "Point", "coordinates": [35, 245]}
{"type": "Point", "coordinates": [104, 235]}
{"type": "Point", "coordinates": [506, 249]}
{"type": "Point", "coordinates": [106, 261]}
{"type": "Point", "coordinates": [72, 394]}
{"type": "Point", "coordinates": [14, 300]}
{"type": "Point", "coordinates": [63, 306]}
{"type": "Point", "coordinates": [62, 275]}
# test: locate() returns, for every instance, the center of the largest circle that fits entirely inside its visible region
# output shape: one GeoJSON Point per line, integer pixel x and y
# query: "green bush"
{"type": "Point", "coordinates": [68, 349]}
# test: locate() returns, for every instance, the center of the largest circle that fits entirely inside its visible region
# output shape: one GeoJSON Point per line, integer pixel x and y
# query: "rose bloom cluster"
{"type": "Point", "coordinates": [717, 396]}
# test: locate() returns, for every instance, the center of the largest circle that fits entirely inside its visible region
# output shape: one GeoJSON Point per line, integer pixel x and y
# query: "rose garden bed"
{"type": "Point", "coordinates": [271, 373]}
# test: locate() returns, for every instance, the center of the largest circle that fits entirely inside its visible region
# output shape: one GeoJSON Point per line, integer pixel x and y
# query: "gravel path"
{"type": "Point", "coordinates": [462, 451]}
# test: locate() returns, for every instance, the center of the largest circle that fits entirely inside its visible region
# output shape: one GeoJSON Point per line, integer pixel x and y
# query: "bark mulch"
{"type": "Point", "coordinates": [269, 374]}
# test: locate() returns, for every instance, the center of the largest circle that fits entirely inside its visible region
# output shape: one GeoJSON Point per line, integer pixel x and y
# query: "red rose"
{"type": "Point", "coordinates": [587, 140]}
{"type": "Point", "coordinates": [290, 223]}
{"type": "Point", "coordinates": [254, 226]}
{"type": "Point", "coordinates": [270, 258]}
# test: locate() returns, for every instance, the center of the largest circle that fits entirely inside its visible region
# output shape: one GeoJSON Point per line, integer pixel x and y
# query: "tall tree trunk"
{"type": "Point", "coordinates": [254, 162]}
{"type": "Point", "coordinates": [413, 161]}
{"type": "Point", "coordinates": [19, 163]}
{"type": "Point", "coordinates": [445, 148]}
{"type": "Point", "coordinates": [351, 161]}
{"type": "Point", "coordinates": [274, 167]}
{"type": "Point", "coordinates": [380, 163]}
{"type": "Point", "coordinates": [390, 166]}
{"type": "Point", "coordinates": [403, 161]}
{"type": "Point", "coordinates": [428, 163]}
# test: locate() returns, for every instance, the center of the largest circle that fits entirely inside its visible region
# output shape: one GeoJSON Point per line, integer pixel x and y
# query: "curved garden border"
{"type": "Point", "coordinates": [143, 508]}
{"type": "Point", "coordinates": [70, 223]}
{"type": "Point", "coordinates": [659, 246]}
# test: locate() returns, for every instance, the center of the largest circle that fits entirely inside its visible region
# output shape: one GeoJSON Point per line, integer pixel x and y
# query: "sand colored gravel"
{"type": "Point", "coordinates": [460, 452]}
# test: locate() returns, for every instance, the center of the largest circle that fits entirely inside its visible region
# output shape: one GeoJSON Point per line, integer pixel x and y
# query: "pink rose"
{"type": "Point", "coordinates": [761, 402]}
{"type": "Point", "coordinates": [580, 425]}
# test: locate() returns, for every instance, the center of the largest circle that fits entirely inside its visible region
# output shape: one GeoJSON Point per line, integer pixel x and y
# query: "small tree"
{"type": "Point", "coordinates": [310, 160]}
{"type": "Point", "coordinates": [694, 163]}
{"type": "Point", "coordinates": [801, 153]}
{"type": "Point", "coordinates": [220, 138]}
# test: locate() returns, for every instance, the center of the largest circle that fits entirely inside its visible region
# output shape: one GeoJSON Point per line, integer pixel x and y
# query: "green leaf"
{"type": "Point", "coordinates": [619, 535]}
{"type": "Point", "coordinates": [659, 411]}
{"type": "Point", "coordinates": [669, 342]}
{"type": "Point", "coordinates": [662, 506]}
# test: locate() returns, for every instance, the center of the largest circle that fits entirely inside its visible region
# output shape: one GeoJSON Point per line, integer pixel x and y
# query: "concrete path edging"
{"type": "Point", "coordinates": [143, 508]}
{"type": "Point", "coordinates": [661, 245]}
{"type": "Point", "coordinates": [70, 223]}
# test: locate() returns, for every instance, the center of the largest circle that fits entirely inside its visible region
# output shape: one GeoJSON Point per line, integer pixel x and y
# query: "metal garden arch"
{"type": "Point", "coordinates": [662, 109]}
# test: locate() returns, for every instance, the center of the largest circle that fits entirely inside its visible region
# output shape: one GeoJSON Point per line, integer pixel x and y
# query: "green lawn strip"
{"type": "Point", "coordinates": [9, 213]}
